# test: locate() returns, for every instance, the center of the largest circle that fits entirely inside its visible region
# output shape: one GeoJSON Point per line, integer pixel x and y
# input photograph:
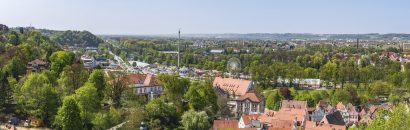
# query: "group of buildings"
{"type": "Point", "coordinates": [248, 108]}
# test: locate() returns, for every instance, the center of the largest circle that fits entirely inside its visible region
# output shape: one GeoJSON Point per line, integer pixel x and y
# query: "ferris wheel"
{"type": "Point", "coordinates": [234, 65]}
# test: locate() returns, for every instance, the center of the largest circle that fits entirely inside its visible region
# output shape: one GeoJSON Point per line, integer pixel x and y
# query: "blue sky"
{"type": "Point", "coordinates": [210, 16]}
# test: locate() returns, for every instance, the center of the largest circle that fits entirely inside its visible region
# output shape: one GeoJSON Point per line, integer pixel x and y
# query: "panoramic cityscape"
{"type": "Point", "coordinates": [204, 65]}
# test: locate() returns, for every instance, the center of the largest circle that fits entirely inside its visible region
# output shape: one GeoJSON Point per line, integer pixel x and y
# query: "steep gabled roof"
{"type": "Point", "coordinates": [252, 96]}
{"type": "Point", "coordinates": [136, 78]}
{"type": "Point", "coordinates": [150, 80]}
{"type": "Point", "coordinates": [238, 86]}
{"type": "Point", "coordinates": [335, 118]}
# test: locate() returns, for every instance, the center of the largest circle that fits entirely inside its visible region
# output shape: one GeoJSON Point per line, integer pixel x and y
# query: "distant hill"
{"type": "Point", "coordinates": [78, 38]}
{"type": "Point", "coordinates": [285, 36]}
{"type": "Point", "coordinates": [69, 37]}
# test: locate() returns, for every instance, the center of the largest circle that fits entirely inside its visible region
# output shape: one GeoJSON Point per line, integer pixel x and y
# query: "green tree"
{"type": "Point", "coordinates": [37, 97]}
{"type": "Point", "coordinates": [104, 120]}
{"type": "Point", "coordinates": [340, 95]}
{"type": "Point", "coordinates": [68, 115]}
{"type": "Point", "coordinates": [175, 88]}
{"type": "Point", "coordinates": [98, 79]}
{"type": "Point", "coordinates": [201, 96]}
{"type": "Point", "coordinates": [15, 68]}
{"type": "Point", "coordinates": [88, 102]}
{"type": "Point", "coordinates": [305, 96]}
{"type": "Point", "coordinates": [134, 118]}
{"type": "Point", "coordinates": [328, 73]}
{"type": "Point", "coordinates": [273, 100]}
{"type": "Point", "coordinates": [159, 112]}
{"type": "Point", "coordinates": [262, 75]}
{"type": "Point", "coordinates": [71, 78]}
{"type": "Point", "coordinates": [397, 119]}
{"type": "Point", "coordinates": [6, 89]}
{"type": "Point", "coordinates": [380, 88]}
{"type": "Point", "coordinates": [60, 59]}
{"type": "Point", "coordinates": [192, 120]}
{"type": "Point", "coordinates": [118, 84]}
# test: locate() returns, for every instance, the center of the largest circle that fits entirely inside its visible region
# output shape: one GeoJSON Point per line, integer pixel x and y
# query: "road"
{"type": "Point", "coordinates": [122, 64]}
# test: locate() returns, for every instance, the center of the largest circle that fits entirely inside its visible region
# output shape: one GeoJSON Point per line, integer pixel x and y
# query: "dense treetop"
{"type": "Point", "coordinates": [80, 38]}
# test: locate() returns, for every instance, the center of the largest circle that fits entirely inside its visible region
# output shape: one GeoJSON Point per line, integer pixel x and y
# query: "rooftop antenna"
{"type": "Point", "coordinates": [179, 37]}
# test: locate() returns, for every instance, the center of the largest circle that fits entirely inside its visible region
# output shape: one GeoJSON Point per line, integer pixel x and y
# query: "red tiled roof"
{"type": "Point", "coordinates": [281, 125]}
{"type": "Point", "coordinates": [240, 87]}
{"type": "Point", "coordinates": [321, 126]}
{"type": "Point", "coordinates": [225, 124]}
{"type": "Point", "coordinates": [291, 114]}
{"type": "Point", "coordinates": [294, 104]}
{"type": "Point", "coordinates": [251, 95]}
{"type": "Point", "coordinates": [247, 118]}
{"type": "Point", "coordinates": [147, 80]}
{"type": "Point", "coordinates": [150, 80]}
{"type": "Point", "coordinates": [136, 78]}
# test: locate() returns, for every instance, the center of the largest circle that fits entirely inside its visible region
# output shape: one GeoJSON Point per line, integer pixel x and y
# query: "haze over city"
{"type": "Point", "coordinates": [211, 16]}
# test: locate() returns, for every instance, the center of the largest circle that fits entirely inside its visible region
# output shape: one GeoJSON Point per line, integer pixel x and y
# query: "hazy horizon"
{"type": "Point", "coordinates": [160, 17]}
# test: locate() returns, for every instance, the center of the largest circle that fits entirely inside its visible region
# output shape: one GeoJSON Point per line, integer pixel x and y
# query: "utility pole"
{"type": "Point", "coordinates": [179, 38]}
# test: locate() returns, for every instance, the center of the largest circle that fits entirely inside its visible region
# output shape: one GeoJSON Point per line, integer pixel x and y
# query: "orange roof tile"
{"type": "Point", "coordinates": [321, 126]}
{"type": "Point", "coordinates": [294, 104]}
{"type": "Point", "coordinates": [225, 124]}
{"type": "Point", "coordinates": [251, 95]}
{"type": "Point", "coordinates": [238, 86]}
{"type": "Point", "coordinates": [281, 124]}
{"type": "Point", "coordinates": [147, 80]}
{"type": "Point", "coordinates": [291, 114]}
{"type": "Point", "coordinates": [136, 78]}
{"type": "Point", "coordinates": [150, 80]}
{"type": "Point", "coordinates": [247, 118]}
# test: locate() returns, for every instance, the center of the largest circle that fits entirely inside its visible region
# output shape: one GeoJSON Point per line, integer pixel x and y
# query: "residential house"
{"type": "Point", "coordinates": [366, 116]}
{"type": "Point", "coordinates": [291, 115]}
{"type": "Point", "coordinates": [318, 115]}
{"type": "Point", "coordinates": [232, 87]}
{"type": "Point", "coordinates": [334, 118]}
{"type": "Point", "coordinates": [343, 111]}
{"type": "Point", "coordinates": [353, 114]}
{"type": "Point", "coordinates": [250, 103]}
{"type": "Point", "coordinates": [89, 62]}
{"type": "Point", "coordinates": [36, 65]}
{"type": "Point", "coordinates": [390, 55]}
{"type": "Point", "coordinates": [146, 85]}
{"type": "Point", "coordinates": [249, 121]}
{"type": "Point", "coordinates": [320, 111]}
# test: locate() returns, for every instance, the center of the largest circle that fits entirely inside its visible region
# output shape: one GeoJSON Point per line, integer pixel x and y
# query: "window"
{"type": "Point", "coordinates": [254, 107]}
